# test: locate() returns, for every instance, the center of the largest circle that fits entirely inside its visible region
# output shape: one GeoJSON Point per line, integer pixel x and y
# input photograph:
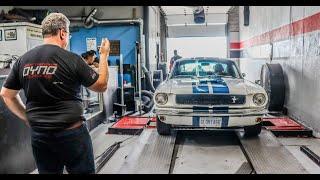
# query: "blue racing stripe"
{"type": "Point", "coordinates": [220, 89]}
{"type": "Point", "coordinates": [215, 109]}
{"type": "Point", "coordinates": [200, 109]}
{"type": "Point", "coordinates": [225, 121]}
{"type": "Point", "coordinates": [219, 86]}
{"type": "Point", "coordinates": [196, 121]}
{"type": "Point", "coordinates": [220, 109]}
{"type": "Point", "coordinates": [203, 88]}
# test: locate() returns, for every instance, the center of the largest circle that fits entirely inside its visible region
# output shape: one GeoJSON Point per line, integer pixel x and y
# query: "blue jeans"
{"type": "Point", "coordinates": [71, 148]}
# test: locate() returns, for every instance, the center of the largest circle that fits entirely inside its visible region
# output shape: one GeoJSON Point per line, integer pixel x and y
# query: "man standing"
{"type": "Point", "coordinates": [90, 59]}
{"type": "Point", "coordinates": [174, 58]}
{"type": "Point", "coordinates": [51, 78]}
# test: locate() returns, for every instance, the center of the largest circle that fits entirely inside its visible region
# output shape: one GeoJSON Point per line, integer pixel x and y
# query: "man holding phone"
{"type": "Point", "coordinates": [51, 78]}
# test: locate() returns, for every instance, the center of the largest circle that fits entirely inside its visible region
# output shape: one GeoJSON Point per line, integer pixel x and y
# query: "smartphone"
{"type": "Point", "coordinates": [98, 47]}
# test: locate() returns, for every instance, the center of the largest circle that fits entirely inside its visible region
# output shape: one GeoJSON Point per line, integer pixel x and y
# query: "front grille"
{"type": "Point", "coordinates": [210, 99]}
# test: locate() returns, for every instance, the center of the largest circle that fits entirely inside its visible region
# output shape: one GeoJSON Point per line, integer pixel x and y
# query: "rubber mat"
{"type": "Point", "coordinates": [131, 125]}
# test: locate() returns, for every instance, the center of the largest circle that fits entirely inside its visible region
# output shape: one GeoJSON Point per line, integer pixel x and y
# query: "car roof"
{"type": "Point", "coordinates": [206, 58]}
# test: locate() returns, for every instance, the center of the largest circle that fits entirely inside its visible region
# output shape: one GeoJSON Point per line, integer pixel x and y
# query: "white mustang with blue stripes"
{"type": "Point", "coordinates": [209, 93]}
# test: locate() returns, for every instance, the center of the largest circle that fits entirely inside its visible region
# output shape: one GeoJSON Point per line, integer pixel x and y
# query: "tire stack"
{"type": "Point", "coordinates": [272, 80]}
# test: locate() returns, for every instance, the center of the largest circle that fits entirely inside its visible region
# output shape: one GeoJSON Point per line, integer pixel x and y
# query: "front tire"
{"type": "Point", "coordinates": [251, 131]}
{"type": "Point", "coordinates": [163, 128]}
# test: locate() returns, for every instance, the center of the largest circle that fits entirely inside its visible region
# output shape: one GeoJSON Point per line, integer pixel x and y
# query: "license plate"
{"type": "Point", "coordinates": [210, 121]}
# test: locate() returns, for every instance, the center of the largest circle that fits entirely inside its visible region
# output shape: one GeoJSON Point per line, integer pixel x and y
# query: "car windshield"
{"type": "Point", "coordinates": [204, 69]}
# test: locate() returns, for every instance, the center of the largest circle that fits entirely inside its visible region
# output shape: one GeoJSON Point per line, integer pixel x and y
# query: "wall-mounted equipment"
{"type": "Point", "coordinates": [114, 47]}
{"type": "Point", "coordinates": [17, 39]}
{"type": "Point", "coordinates": [199, 15]}
{"type": "Point", "coordinates": [246, 15]}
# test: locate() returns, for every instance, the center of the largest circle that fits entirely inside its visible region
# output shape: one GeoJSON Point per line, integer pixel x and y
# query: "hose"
{"type": "Point", "coordinates": [147, 100]}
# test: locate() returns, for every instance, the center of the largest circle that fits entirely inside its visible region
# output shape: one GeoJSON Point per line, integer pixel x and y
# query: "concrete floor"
{"type": "Point", "coordinates": [209, 153]}
{"type": "Point", "coordinates": [101, 141]}
{"type": "Point", "coordinates": [293, 145]}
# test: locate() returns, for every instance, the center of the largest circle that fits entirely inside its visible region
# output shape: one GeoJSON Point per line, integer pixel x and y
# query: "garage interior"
{"type": "Point", "coordinates": [277, 47]}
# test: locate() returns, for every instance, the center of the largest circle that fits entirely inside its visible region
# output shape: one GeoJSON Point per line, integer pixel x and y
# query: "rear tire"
{"type": "Point", "coordinates": [163, 128]}
{"type": "Point", "coordinates": [251, 131]}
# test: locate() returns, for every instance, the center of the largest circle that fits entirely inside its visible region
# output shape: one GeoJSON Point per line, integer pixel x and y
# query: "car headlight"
{"type": "Point", "coordinates": [259, 99]}
{"type": "Point", "coordinates": [161, 98]}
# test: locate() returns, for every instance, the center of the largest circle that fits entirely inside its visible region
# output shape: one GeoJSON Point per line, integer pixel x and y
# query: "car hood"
{"type": "Point", "coordinates": [209, 86]}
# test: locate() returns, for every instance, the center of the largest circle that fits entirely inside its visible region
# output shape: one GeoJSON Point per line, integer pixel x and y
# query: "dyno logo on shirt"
{"type": "Point", "coordinates": [39, 70]}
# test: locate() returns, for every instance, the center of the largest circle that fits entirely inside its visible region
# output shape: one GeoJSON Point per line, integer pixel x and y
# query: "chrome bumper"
{"type": "Point", "coordinates": [191, 112]}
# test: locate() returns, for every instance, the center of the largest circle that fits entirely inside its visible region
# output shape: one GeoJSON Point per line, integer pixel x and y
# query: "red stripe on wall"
{"type": "Point", "coordinates": [235, 45]}
{"type": "Point", "coordinates": [308, 24]}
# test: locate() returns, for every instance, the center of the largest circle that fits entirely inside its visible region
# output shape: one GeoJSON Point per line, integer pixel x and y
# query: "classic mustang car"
{"type": "Point", "coordinates": [209, 93]}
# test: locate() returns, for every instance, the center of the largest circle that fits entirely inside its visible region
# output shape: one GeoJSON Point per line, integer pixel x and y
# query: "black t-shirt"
{"type": "Point", "coordinates": [51, 78]}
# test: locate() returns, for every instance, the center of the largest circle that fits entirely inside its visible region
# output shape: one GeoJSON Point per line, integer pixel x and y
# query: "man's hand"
{"type": "Point", "coordinates": [105, 47]}
{"type": "Point", "coordinates": [13, 101]}
{"type": "Point", "coordinates": [102, 83]}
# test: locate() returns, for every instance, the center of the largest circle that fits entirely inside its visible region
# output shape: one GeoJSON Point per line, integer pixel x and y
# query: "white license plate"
{"type": "Point", "coordinates": [210, 121]}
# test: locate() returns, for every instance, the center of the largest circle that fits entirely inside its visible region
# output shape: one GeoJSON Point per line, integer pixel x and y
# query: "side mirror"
{"type": "Point", "coordinates": [257, 81]}
{"type": "Point", "coordinates": [243, 74]}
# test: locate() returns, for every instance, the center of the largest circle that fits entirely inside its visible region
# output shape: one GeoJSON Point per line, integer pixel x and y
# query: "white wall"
{"type": "Point", "coordinates": [184, 26]}
{"type": "Point", "coordinates": [299, 56]}
{"type": "Point", "coordinates": [180, 19]}
{"type": "Point", "coordinates": [197, 47]}
{"type": "Point", "coordinates": [14, 47]}
{"type": "Point", "coordinates": [154, 35]}
{"type": "Point", "coordinates": [197, 31]}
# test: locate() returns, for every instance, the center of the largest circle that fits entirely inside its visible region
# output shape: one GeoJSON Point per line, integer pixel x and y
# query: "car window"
{"type": "Point", "coordinates": [235, 69]}
{"type": "Point", "coordinates": [185, 68]}
{"type": "Point", "coordinates": [204, 68]}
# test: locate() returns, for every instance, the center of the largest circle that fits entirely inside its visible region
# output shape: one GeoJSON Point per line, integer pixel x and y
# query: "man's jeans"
{"type": "Point", "coordinates": [71, 148]}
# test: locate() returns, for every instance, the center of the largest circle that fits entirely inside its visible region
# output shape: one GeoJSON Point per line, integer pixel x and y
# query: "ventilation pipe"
{"type": "Point", "coordinates": [88, 21]}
